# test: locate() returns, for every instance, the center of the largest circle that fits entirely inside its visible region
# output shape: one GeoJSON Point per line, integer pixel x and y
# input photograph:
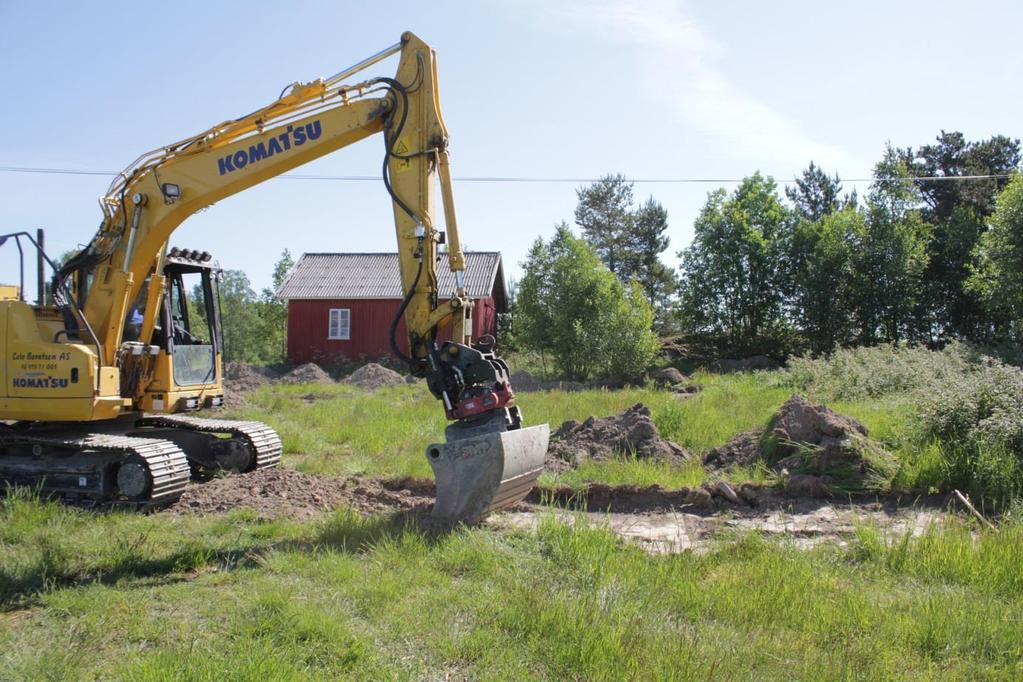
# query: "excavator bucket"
{"type": "Point", "coordinates": [478, 474]}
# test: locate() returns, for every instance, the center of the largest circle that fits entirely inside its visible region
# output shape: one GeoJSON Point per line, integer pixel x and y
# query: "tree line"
{"type": "Point", "coordinates": [933, 252]}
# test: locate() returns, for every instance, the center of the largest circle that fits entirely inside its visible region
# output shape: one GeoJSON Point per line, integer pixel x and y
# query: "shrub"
{"type": "Point", "coordinates": [877, 371]}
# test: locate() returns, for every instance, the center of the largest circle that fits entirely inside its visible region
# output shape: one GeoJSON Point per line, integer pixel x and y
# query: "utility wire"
{"type": "Point", "coordinates": [512, 179]}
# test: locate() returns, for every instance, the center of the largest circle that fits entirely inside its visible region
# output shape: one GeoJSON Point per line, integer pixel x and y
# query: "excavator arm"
{"type": "Point", "coordinates": [489, 460]}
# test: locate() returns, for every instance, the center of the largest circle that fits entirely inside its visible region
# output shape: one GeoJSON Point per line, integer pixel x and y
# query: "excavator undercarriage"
{"type": "Point", "coordinates": [132, 463]}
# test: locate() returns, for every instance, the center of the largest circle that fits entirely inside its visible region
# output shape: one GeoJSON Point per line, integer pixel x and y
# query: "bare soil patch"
{"type": "Point", "coordinates": [632, 433]}
{"type": "Point", "coordinates": [658, 520]}
{"type": "Point", "coordinates": [373, 376]}
{"type": "Point", "coordinates": [286, 493]}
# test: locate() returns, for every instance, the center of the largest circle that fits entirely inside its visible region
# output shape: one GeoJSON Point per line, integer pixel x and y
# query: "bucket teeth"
{"type": "Point", "coordinates": [483, 473]}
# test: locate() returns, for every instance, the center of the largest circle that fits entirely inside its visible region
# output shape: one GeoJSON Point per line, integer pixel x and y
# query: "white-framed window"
{"type": "Point", "coordinates": [340, 325]}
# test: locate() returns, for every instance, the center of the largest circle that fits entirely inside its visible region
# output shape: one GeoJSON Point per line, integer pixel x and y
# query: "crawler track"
{"type": "Point", "coordinates": [82, 469]}
{"type": "Point", "coordinates": [263, 439]}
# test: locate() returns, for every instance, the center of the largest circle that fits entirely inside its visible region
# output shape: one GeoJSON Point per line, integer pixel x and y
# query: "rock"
{"type": "Point", "coordinates": [700, 498]}
{"type": "Point", "coordinates": [411, 379]}
{"type": "Point", "coordinates": [630, 434]}
{"type": "Point", "coordinates": [724, 490]}
{"type": "Point", "coordinates": [756, 495]}
{"type": "Point", "coordinates": [373, 376]}
{"type": "Point", "coordinates": [668, 376]}
{"type": "Point", "coordinates": [687, 389]}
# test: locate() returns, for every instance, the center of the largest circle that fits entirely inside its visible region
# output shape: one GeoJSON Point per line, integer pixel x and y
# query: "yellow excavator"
{"type": "Point", "coordinates": [104, 383]}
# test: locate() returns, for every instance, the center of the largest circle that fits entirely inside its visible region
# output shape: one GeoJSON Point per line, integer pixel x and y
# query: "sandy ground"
{"type": "Point", "coordinates": [678, 531]}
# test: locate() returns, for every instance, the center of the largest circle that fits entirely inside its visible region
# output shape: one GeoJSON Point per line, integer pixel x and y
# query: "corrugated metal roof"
{"type": "Point", "coordinates": [376, 275]}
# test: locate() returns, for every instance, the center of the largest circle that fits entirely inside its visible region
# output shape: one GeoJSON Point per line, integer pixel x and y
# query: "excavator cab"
{"type": "Point", "coordinates": [191, 317]}
{"type": "Point", "coordinates": [186, 341]}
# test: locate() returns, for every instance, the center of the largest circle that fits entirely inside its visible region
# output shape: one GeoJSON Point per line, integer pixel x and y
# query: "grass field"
{"type": "Point", "coordinates": [168, 598]}
{"type": "Point", "coordinates": [165, 597]}
{"type": "Point", "coordinates": [340, 430]}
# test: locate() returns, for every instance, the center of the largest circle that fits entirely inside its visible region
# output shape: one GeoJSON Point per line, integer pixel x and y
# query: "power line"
{"type": "Point", "coordinates": [510, 179]}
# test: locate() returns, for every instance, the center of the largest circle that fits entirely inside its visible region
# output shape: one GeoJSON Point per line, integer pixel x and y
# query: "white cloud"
{"type": "Point", "coordinates": [678, 60]}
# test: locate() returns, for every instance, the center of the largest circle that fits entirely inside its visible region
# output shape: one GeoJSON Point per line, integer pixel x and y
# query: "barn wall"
{"type": "Point", "coordinates": [371, 321]}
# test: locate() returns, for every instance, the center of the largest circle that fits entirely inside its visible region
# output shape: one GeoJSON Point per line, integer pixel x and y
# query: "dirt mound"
{"type": "Point", "coordinates": [817, 451]}
{"type": "Point", "coordinates": [374, 376]}
{"type": "Point", "coordinates": [234, 400]}
{"type": "Point", "coordinates": [743, 450]}
{"type": "Point", "coordinates": [668, 376]}
{"type": "Point", "coordinates": [241, 377]}
{"type": "Point", "coordinates": [632, 433]}
{"type": "Point", "coordinates": [309, 373]}
{"type": "Point", "coordinates": [811, 440]}
{"type": "Point", "coordinates": [285, 493]}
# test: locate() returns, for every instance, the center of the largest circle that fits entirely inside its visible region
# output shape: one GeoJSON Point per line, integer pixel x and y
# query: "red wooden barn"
{"type": "Point", "coordinates": [340, 305]}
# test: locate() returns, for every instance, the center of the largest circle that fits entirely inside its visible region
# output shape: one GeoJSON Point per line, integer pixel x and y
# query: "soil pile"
{"type": "Point", "coordinates": [309, 373]}
{"type": "Point", "coordinates": [285, 493]}
{"type": "Point", "coordinates": [817, 450]}
{"type": "Point", "coordinates": [632, 433]}
{"type": "Point", "coordinates": [374, 376]}
{"type": "Point", "coordinates": [743, 451]}
{"type": "Point", "coordinates": [241, 377]}
{"type": "Point", "coordinates": [668, 376]}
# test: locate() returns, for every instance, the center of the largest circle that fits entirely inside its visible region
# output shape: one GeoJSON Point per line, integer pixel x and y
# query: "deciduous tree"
{"type": "Point", "coordinates": [732, 274]}
{"type": "Point", "coordinates": [997, 278]}
{"type": "Point", "coordinates": [572, 309]}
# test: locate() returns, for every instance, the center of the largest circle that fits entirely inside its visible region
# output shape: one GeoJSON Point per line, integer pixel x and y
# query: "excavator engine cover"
{"type": "Point", "coordinates": [481, 471]}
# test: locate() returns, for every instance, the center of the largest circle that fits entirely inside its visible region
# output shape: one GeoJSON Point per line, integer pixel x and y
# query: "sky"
{"type": "Point", "coordinates": [575, 89]}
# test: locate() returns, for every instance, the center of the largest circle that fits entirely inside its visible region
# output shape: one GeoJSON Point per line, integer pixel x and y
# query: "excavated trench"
{"type": "Point", "coordinates": [660, 521]}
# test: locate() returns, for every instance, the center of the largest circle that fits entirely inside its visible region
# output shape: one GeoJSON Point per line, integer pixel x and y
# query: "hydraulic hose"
{"type": "Point", "coordinates": [401, 311]}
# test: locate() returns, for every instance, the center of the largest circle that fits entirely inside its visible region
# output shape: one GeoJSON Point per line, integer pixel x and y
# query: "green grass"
{"type": "Point", "coordinates": [365, 599]}
{"type": "Point", "coordinates": [341, 430]}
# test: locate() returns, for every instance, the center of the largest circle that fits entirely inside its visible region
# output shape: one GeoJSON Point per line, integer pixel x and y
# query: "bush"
{"type": "Point", "coordinates": [572, 308]}
{"type": "Point", "coordinates": [984, 408]}
{"type": "Point", "coordinates": [878, 371]}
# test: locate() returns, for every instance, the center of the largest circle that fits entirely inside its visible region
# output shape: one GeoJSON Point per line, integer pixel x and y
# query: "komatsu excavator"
{"type": "Point", "coordinates": [102, 387]}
